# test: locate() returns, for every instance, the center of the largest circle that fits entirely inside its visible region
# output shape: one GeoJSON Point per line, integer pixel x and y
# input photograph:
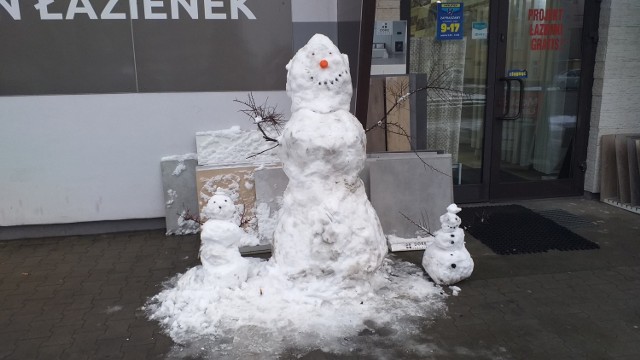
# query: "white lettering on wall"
{"type": "Point", "coordinates": [148, 9]}
{"type": "Point", "coordinates": [42, 6]}
{"type": "Point", "coordinates": [152, 9]}
{"type": "Point", "coordinates": [133, 8]}
{"type": "Point", "coordinates": [109, 15]}
{"type": "Point", "coordinates": [208, 10]}
{"type": "Point", "coordinates": [239, 5]}
{"type": "Point", "coordinates": [13, 8]}
{"type": "Point", "coordinates": [190, 6]}
{"type": "Point", "coordinates": [85, 9]}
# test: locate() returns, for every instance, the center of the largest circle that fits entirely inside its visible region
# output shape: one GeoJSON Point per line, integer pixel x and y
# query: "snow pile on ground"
{"type": "Point", "coordinates": [271, 312]}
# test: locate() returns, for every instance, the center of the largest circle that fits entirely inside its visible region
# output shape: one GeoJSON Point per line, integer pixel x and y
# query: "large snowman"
{"type": "Point", "coordinates": [327, 226]}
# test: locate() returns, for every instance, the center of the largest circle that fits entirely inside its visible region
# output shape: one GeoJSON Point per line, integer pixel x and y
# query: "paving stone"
{"type": "Point", "coordinates": [109, 348]}
{"type": "Point", "coordinates": [39, 329]}
{"type": "Point", "coordinates": [137, 352]}
{"type": "Point", "coordinates": [116, 329]}
{"type": "Point", "coordinates": [61, 335]}
{"type": "Point", "coordinates": [26, 349]}
{"type": "Point", "coordinates": [51, 352]}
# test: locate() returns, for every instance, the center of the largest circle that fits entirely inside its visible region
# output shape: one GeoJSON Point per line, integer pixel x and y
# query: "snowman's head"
{"type": "Point", "coordinates": [220, 207]}
{"type": "Point", "coordinates": [450, 221]}
{"type": "Point", "coordinates": [318, 77]}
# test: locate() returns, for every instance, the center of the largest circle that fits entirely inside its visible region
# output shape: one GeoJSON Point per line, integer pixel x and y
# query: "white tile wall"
{"type": "Point", "coordinates": [616, 89]}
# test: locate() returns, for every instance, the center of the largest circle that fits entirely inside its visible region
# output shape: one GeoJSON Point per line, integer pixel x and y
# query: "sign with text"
{"type": "Point", "coordinates": [518, 74]}
{"type": "Point", "coordinates": [545, 28]}
{"type": "Point", "coordinates": [449, 25]}
{"type": "Point", "coordinates": [479, 30]}
{"type": "Point", "coordinates": [115, 46]}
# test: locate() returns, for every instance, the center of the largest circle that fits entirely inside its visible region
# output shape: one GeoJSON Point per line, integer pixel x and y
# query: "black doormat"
{"type": "Point", "coordinates": [514, 229]}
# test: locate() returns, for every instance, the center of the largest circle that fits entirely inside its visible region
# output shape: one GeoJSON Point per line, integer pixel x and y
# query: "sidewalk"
{"type": "Point", "coordinates": [80, 297]}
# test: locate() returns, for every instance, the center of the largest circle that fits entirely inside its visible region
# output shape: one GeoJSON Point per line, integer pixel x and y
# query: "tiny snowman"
{"type": "Point", "coordinates": [446, 260]}
{"type": "Point", "coordinates": [221, 237]}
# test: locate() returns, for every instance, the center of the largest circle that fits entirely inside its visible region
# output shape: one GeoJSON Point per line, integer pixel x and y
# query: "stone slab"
{"type": "Point", "coordinates": [270, 184]}
{"type": "Point", "coordinates": [622, 164]}
{"type": "Point", "coordinates": [608, 168]}
{"type": "Point", "coordinates": [234, 147]}
{"type": "Point", "coordinates": [237, 182]}
{"type": "Point", "coordinates": [179, 187]}
{"type": "Point", "coordinates": [407, 186]}
{"type": "Point", "coordinates": [366, 176]}
{"type": "Point", "coordinates": [634, 172]}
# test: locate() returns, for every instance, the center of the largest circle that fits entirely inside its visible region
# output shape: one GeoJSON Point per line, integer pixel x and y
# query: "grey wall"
{"type": "Point", "coordinates": [83, 55]}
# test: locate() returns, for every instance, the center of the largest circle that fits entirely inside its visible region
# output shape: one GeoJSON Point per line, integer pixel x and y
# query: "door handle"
{"type": "Point", "coordinates": [506, 116]}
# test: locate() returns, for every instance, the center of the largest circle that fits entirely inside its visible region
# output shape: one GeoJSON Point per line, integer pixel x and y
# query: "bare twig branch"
{"type": "Point", "coordinates": [403, 132]}
{"type": "Point", "coordinates": [263, 151]}
{"type": "Point", "coordinates": [189, 216]}
{"type": "Point", "coordinates": [243, 219]}
{"type": "Point", "coordinates": [421, 227]}
{"type": "Point", "coordinates": [400, 93]}
{"type": "Point", "coordinates": [264, 116]}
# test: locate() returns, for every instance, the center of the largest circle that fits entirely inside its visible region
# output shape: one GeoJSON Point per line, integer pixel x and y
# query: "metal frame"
{"type": "Point", "coordinates": [545, 188]}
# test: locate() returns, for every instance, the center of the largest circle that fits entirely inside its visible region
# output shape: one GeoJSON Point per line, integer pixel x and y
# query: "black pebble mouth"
{"type": "Point", "coordinates": [328, 82]}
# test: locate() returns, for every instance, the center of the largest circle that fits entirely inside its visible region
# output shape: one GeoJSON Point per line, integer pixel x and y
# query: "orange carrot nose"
{"type": "Point", "coordinates": [324, 64]}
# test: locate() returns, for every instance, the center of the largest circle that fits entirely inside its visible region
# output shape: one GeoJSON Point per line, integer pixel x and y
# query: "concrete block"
{"type": "Point", "coordinates": [622, 163]}
{"type": "Point", "coordinates": [608, 169]}
{"type": "Point", "coordinates": [270, 184]}
{"type": "Point", "coordinates": [407, 186]}
{"type": "Point", "coordinates": [180, 196]}
{"type": "Point", "coordinates": [235, 147]}
{"type": "Point", "coordinates": [634, 172]}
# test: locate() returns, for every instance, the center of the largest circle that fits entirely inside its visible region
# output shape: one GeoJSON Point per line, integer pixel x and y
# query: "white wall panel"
{"type": "Point", "coordinates": [66, 159]}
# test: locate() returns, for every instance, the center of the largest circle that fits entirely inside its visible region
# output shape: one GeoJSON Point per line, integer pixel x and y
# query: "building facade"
{"type": "Point", "coordinates": [94, 94]}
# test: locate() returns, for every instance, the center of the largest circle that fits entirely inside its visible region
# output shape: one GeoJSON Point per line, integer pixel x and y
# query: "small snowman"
{"type": "Point", "coordinates": [221, 237]}
{"type": "Point", "coordinates": [446, 260]}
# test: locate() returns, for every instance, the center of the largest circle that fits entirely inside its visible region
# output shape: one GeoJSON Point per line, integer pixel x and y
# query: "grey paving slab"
{"type": "Point", "coordinates": [80, 298]}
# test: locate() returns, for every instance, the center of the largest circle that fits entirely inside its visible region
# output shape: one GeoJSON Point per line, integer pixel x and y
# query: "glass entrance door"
{"type": "Point", "coordinates": [508, 90]}
{"type": "Point", "coordinates": [537, 91]}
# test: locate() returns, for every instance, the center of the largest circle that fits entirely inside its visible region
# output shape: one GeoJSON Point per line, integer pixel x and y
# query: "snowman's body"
{"type": "Point", "coordinates": [220, 238]}
{"type": "Point", "coordinates": [446, 260]}
{"type": "Point", "coordinates": [327, 225]}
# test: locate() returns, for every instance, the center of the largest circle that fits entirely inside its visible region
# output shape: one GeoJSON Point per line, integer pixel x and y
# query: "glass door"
{"type": "Point", "coordinates": [449, 47]}
{"type": "Point", "coordinates": [537, 90]}
{"type": "Point", "coordinates": [507, 90]}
